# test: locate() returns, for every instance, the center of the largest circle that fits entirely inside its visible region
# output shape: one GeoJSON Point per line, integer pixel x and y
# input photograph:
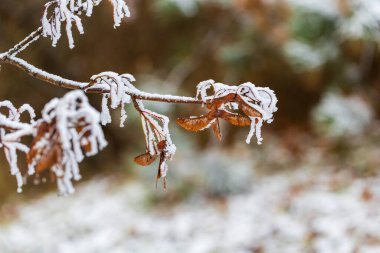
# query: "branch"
{"type": "Point", "coordinates": [70, 84]}
{"type": "Point", "coordinates": [11, 125]}
{"type": "Point", "coordinates": [34, 36]}
{"type": "Point", "coordinates": [70, 128]}
{"type": "Point", "coordinates": [15, 136]}
{"type": "Point", "coordinates": [41, 74]}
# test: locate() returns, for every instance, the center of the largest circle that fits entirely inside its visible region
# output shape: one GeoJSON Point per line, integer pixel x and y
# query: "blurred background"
{"type": "Point", "coordinates": [313, 186]}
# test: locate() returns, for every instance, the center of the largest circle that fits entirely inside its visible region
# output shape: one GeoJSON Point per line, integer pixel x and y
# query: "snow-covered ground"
{"type": "Point", "coordinates": [300, 211]}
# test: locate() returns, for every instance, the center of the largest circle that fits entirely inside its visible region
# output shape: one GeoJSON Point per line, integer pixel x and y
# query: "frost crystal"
{"type": "Point", "coordinates": [11, 142]}
{"type": "Point", "coordinates": [68, 11]}
{"type": "Point", "coordinates": [257, 103]}
{"type": "Point", "coordinates": [68, 130]}
{"type": "Point", "coordinates": [72, 125]}
{"type": "Point", "coordinates": [117, 87]}
{"type": "Point", "coordinates": [157, 138]}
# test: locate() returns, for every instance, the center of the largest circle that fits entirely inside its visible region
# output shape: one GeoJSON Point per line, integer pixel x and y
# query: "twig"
{"type": "Point", "coordinates": [34, 36]}
{"type": "Point", "coordinates": [70, 84]}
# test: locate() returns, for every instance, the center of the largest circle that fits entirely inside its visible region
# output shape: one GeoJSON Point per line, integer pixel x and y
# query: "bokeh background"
{"type": "Point", "coordinates": [313, 186]}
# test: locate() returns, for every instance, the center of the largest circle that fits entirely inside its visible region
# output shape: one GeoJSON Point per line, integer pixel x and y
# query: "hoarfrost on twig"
{"type": "Point", "coordinates": [257, 103]}
{"type": "Point", "coordinates": [68, 11]}
{"type": "Point", "coordinates": [68, 130]}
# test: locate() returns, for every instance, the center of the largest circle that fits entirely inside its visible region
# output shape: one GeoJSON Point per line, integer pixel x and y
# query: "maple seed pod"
{"type": "Point", "coordinates": [145, 159]}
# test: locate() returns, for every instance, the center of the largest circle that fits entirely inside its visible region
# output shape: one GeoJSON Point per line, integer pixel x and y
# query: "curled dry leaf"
{"type": "Point", "coordinates": [39, 156]}
{"type": "Point", "coordinates": [161, 146]}
{"type": "Point", "coordinates": [157, 138]}
{"type": "Point", "coordinates": [48, 158]}
{"type": "Point", "coordinates": [68, 131]}
{"type": "Point", "coordinates": [195, 124]}
{"type": "Point", "coordinates": [249, 111]}
{"type": "Point", "coordinates": [216, 129]}
{"type": "Point", "coordinates": [256, 104]}
{"type": "Point", "coordinates": [145, 159]}
{"type": "Point", "coordinates": [235, 119]}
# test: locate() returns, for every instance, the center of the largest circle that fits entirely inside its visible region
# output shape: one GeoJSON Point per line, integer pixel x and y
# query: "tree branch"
{"type": "Point", "coordinates": [70, 84]}
{"type": "Point", "coordinates": [34, 36]}
{"type": "Point", "coordinates": [41, 74]}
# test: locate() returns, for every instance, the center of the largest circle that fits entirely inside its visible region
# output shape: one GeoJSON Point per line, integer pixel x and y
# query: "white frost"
{"type": "Point", "coordinates": [73, 128]}
{"type": "Point", "coordinates": [263, 100]}
{"type": "Point", "coordinates": [118, 87]}
{"type": "Point", "coordinates": [68, 11]}
{"type": "Point", "coordinates": [10, 140]}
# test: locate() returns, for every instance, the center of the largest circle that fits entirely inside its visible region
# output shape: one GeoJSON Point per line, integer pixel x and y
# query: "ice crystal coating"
{"type": "Point", "coordinates": [76, 133]}
{"type": "Point", "coordinates": [117, 87]}
{"type": "Point", "coordinates": [11, 141]}
{"type": "Point", "coordinates": [68, 130]}
{"type": "Point", "coordinates": [157, 137]}
{"type": "Point", "coordinates": [119, 90]}
{"type": "Point", "coordinates": [58, 11]}
{"type": "Point", "coordinates": [257, 103]}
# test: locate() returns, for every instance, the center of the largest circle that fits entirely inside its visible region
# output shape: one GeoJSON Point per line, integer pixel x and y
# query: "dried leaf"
{"type": "Point", "coordinates": [48, 159]}
{"type": "Point", "coordinates": [87, 147]}
{"type": "Point", "coordinates": [159, 172]}
{"type": "Point", "coordinates": [249, 111]}
{"type": "Point", "coordinates": [218, 102]}
{"type": "Point", "coordinates": [216, 129]}
{"type": "Point", "coordinates": [145, 159]}
{"type": "Point", "coordinates": [161, 145]}
{"type": "Point", "coordinates": [86, 144]}
{"type": "Point", "coordinates": [195, 124]}
{"type": "Point", "coordinates": [235, 119]}
{"type": "Point", "coordinates": [41, 131]}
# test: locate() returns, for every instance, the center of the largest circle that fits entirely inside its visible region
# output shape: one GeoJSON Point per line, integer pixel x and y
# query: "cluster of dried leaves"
{"type": "Point", "coordinates": [157, 139]}
{"type": "Point", "coordinates": [68, 130]}
{"type": "Point", "coordinates": [243, 105]}
{"type": "Point", "coordinates": [119, 91]}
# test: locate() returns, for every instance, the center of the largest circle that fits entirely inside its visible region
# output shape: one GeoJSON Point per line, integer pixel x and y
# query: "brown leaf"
{"type": "Point", "coordinates": [161, 145]}
{"type": "Point", "coordinates": [46, 154]}
{"type": "Point", "coordinates": [216, 129]}
{"type": "Point", "coordinates": [86, 143]}
{"type": "Point", "coordinates": [159, 174]}
{"type": "Point", "coordinates": [218, 102]}
{"type": "Point", "coordinates": [87, 147]}
{"type": "Point", "coordinates": [249, 111]}
{"type": "Point", "coordinates": [195, 124]}
{"type": "Point", "coordinates": [145, 159]}
{"type": "Point", "coordinates": [235, 119]}
{"type": "Point", "coordinates": [42, 129]}
{"type": "Point", "coordinates": [162, 160]}
{"type": "Point", "coordinates": [49, 158]}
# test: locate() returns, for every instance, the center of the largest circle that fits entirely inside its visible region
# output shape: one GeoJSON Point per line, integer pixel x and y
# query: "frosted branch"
{"type": "Point", "coordinates": [93, 86]}
{"type": "Point", "coordinates": [34, 36]}
{"type": "Point", "coordinates": [157, 138]}
{"type": "Point", "coordinates": [68, 11]}
{"type": "Point", "coordinates": [68, 130]}
{"type": "Point", "coordinates": [257, 105]}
